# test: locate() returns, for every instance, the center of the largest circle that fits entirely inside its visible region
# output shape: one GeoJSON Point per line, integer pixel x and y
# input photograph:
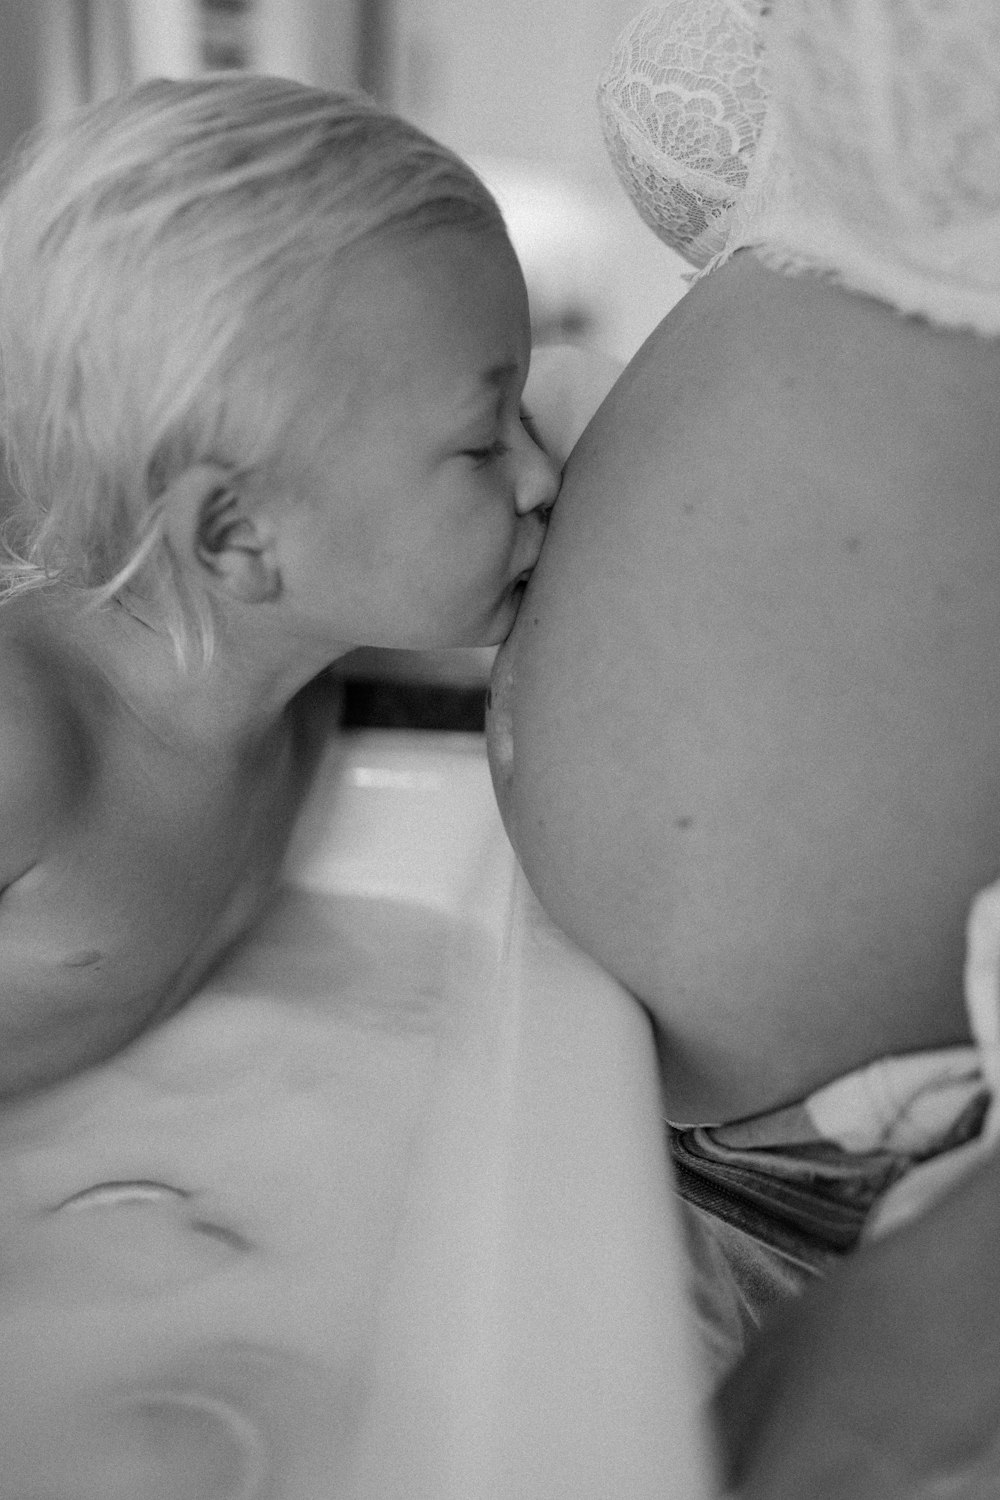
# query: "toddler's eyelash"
{"type": "Point", "coordinates": [482, 456]}
{"type": "Point", "coordinates": [528, 424]}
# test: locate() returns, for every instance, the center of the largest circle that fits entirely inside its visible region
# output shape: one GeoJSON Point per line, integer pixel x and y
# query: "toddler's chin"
{"type": "Point", "coordinates": [511, 609]}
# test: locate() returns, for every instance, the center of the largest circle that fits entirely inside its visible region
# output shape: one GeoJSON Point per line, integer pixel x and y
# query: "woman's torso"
{"type": "Point", "coordinates": [755, 686]}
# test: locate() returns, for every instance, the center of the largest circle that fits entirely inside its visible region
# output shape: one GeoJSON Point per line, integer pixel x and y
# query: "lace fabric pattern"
{"type": "Point", "coordinates": [880, 161]}
{"type": "Point", "coordinates": [871, 151]}
{"type": "Point", "coordinates": [682, 103]}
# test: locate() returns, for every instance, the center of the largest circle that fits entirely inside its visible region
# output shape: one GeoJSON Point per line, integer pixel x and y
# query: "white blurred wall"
{"type": "Point", "coordinates": [517, 76]}
{"type": "Point", "coordinates": [313, 40]}
{"type": "Point", "coordinates": [516, 80]}
{"type": "Point", "coordinates": [55, 54]}
{"type": "Point", "coordinates": [509, 83]}
{"type": "Point", "coordinates": [19, 69]}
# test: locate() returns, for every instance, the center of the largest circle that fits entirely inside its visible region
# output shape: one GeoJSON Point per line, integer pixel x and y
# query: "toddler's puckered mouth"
{"type": "Point", "coordinates": [520, 583]}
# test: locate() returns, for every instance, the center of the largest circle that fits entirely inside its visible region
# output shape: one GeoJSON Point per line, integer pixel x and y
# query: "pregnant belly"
{"type": "Point", "coordinates": [762, 988]}
{"type": "Point", "coordinates": [500, 731]}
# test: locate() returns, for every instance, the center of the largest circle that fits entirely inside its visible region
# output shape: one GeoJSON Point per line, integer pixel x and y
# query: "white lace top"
{"type": "Point", "coordinates": [858, 138]}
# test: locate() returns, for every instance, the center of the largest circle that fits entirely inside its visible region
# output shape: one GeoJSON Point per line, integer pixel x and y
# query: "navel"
{"type": "Point", "coordinates": [85, 959]}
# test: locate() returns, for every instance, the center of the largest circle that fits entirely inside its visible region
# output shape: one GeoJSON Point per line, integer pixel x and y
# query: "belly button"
{"type": "Point", "coordinates": [85, 959]}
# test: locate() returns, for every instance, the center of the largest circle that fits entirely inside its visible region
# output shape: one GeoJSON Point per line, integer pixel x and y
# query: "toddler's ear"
{"type": "Point", "coordinates": [234, 544]}
{"type": "Point", "coordinates": [212, 520]}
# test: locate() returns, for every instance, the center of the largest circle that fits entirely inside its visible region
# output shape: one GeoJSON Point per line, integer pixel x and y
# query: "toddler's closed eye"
{"type": "Point", "coordinates": [528, 423]}
{"type": "Point", "coordinates": [483, 456]}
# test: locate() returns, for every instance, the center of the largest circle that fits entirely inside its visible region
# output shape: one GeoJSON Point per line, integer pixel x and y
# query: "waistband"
{"type": "Point", "coordinates": [870, 1150]}
{"type": "Point", "coordinates": [806, 1179]}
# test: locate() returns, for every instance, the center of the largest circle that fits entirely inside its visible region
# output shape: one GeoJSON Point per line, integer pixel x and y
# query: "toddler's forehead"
{"type": "Point", "coordinates": [407, 274]}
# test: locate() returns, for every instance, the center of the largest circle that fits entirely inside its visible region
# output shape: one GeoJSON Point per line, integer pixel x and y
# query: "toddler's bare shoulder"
{"type": "Point", "coordinates": [40, 753]}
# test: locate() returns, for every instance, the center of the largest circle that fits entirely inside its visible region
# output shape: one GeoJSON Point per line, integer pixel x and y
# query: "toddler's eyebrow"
{"type": "Point", "coordinates": [498, 374]}
{"type": "Point", "coordinates": [493, 379]}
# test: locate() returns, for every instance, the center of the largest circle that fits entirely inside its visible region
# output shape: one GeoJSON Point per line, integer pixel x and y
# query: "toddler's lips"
{"type": "Point", "coordinates": [520, 583]}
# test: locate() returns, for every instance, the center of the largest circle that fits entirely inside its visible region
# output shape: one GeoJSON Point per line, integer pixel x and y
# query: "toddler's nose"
{"type": "Point", "coordinates": [538, 480]}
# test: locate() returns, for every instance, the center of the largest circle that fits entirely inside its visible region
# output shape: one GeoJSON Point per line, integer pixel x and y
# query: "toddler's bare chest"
{"type": "Point", "coordinates": [164, 865]}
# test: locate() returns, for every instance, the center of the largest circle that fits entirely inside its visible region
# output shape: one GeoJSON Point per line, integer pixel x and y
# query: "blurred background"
{"type": "Point", "coordinates": [510, 84]}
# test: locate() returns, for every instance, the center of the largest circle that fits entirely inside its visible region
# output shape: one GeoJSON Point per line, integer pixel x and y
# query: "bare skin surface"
{"type": "Point", "coordinates": [743, 736]}
{"type": "Point", "coordinates": [753, 687]}
{"type": "Point", "coordinates": [145, 807]}
{"type": "Point", "coordinates": [883, 1383]}
{"type": "Point", "coordinates": [135, 853]}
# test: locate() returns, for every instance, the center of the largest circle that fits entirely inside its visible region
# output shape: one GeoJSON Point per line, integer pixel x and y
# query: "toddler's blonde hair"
{"type": "Point", "coordinates": [168, 267]}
